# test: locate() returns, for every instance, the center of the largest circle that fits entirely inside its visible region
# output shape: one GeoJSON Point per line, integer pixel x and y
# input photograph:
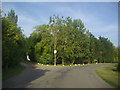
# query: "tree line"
{"type": "Point", "coordinates": [73, 42]}
{"type": "Point", "coordinates": [61, 41]}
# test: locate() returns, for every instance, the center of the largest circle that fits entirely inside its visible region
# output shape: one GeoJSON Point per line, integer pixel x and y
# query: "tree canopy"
{"type": "Point", "coordinates": [73, 42]}
{"type": "Point", "coordinates": [13, 41]}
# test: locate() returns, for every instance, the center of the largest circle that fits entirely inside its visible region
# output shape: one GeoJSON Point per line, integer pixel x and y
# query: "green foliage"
{"type": "Point", "coordinates": [118, 67]}
{"type": "Point", "coordinates": [74, 44]}
{"type": "Point", "coordinates": [13, 43]}
{"type": "Point", "coordinates": [106, 50]}
{"type": "Point", "coordinates": [12, 16]}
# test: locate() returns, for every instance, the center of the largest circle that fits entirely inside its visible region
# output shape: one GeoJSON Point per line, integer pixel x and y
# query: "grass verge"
{"type": "Point", "coordinates": [6, 74]}
{"type": "Point", "coordinates": [109, 74]}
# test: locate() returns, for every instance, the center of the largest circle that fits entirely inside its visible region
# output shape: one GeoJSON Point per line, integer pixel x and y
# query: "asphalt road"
{"type": "Point", "coordinates": [36, 76]}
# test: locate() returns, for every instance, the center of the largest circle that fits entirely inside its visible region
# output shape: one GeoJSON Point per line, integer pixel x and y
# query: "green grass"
{"type": "Point", "coordinates": [109, 75]}
{"type": "Point", "coordinates": [6, 74]}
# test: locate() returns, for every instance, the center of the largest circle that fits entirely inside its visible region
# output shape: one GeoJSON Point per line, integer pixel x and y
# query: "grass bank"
{"type": "Point", "coordinates": [6, 74]}
{"type": "Point", "coordinates": [109, 74]}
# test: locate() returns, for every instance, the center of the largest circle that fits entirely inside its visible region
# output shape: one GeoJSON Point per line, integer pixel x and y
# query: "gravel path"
{"type": "Point", "coordinates": [37, 76]}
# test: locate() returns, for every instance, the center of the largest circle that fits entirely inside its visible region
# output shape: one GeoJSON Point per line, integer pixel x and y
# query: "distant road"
{"type": "Point", "coordinates": [36, 76]}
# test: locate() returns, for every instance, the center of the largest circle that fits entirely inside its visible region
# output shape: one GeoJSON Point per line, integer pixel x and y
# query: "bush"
{"type": "Point", "coordinates": [44, 58]}
{"type": "Point", "coordinates": [118, 67]}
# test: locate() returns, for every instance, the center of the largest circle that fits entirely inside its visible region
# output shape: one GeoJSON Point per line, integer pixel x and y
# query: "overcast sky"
{"type": "Point", "coordinates": [101, 18]}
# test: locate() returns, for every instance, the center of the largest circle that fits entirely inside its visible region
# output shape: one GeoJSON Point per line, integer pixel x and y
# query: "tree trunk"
{"type": "Point", "coordinates": [88, 60]}
{"type": "Point", "coordinates": [54, 59]}
{"type": "Point", "coordinates": [62, 61]}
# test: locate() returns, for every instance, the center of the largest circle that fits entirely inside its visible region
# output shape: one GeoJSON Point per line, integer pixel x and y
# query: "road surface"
{"type": "Point", "coordinates": [36, 76]}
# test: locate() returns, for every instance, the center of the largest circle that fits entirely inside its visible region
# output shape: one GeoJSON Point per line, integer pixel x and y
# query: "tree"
{"type": "Point", "coordinates": [12, 42]}
{"type": "Point", "coordinates": [74, 44]}
{"type": "Point", "coordinates": [115, 54]}
{"type": "Point", "coordinates": [106, 50]}
{"type": "Point", "coordinates": [12, 16]}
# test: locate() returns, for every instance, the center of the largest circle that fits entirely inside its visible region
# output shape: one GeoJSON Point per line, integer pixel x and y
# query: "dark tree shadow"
{"type": "Point", "coordinates": [29, 74]}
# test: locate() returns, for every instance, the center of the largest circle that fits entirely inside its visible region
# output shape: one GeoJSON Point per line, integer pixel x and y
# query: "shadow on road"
{"type": "Point", "coordinates": [36, 76]}
{"type": "Point", "coordinates": [31, 73]}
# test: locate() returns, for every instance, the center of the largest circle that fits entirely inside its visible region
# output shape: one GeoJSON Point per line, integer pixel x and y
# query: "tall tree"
{"type": "Point", "coordinates": [12, 42]}
{"type": "Point", "coordinates": [12, 16]}
{"type": "Point", "coordinates": [74, 44]}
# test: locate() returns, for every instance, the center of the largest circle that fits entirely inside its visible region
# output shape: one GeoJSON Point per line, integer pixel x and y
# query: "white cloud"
{"type": "Point", "coordinates": [27, 19]}
{"type": "Point", "coordinates": [110, 32]}
{"type": "Point", "coordinates": [91, 21]}
{"type": "Point", "coordinates": [28, 22]}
